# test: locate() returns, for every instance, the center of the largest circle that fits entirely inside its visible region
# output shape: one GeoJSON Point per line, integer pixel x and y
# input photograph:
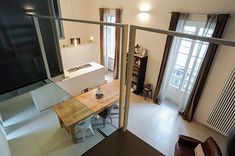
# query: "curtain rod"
{"type": "Point", "coordinates": [203, 14]}
{"type": "Point", "coordinates": [76, 20]}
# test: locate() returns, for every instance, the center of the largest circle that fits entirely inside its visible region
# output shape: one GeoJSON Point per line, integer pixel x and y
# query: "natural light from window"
{"type": "Point", "coordinates": [189, 57]}
{"type": "Point", "coordinates": [109, 43]}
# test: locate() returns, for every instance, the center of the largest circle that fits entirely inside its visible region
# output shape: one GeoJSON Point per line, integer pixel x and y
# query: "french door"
{"type": "Point", "coordinates": [187, 63]}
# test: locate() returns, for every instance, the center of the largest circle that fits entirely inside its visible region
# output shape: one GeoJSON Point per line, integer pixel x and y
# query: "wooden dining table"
{"type": "Point", "coordinates": [73, 111]}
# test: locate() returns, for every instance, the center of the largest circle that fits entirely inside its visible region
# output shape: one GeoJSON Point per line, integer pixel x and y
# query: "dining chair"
{"type": "Point", "coordinates": [84, 126]}
{"type": "Point", "coordinates": [105, 114]}
{"type": "Point", "coordinates": [85, 90]}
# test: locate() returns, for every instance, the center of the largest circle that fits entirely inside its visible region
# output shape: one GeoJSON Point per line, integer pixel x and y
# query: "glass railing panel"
{"type": "Point", "coordinates": [31, 120]}
{"type": "Point", "coordinates": [48, 116]}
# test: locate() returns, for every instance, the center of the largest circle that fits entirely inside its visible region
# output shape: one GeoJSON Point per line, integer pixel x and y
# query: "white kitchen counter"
{"type": "Point", "coordinates": [94, 66]}
{"type": "Point", "coordinates": [90, 77]}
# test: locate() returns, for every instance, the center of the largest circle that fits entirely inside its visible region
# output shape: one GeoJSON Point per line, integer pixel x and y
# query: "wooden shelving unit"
{"type": "Point", "coordinates": [138, 74]}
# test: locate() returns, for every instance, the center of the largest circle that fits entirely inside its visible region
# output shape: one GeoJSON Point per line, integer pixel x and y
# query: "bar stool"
{"type": "Point", "coordinates": [148, 89]}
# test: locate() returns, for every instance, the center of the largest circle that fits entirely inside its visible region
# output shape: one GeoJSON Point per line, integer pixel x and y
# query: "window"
{"type": "Point", "coordinates": [58, 23]}
{"type": "Point", "coordinates": [190, 54]}
{"type": "Point", "coordinates": [110, 37]}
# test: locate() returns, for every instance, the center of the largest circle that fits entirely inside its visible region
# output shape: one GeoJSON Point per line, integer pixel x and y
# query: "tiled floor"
{"type": "Point", "coordinates": [160, 125]}
{"type": "Point", "coordinates": [33, 133]}
{"type": "Point", "coordinates": [37, 134]}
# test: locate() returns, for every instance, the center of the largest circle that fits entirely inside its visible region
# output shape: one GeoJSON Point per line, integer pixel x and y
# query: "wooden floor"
{"type": "Point", "coordinates": [122, 144]}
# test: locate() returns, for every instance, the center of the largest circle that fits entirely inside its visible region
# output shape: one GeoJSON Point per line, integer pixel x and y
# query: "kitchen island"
{"type": "Point", "coordinates": [89, 75]}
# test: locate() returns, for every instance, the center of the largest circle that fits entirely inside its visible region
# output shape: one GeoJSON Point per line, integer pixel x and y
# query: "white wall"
{"type": "Point", "coordinates": [85, 52]}
{"type": "Point", "coordinates": [159, 17]}
{"type": "Point", "coordinates": [74, 56]}
{"type": "Point", "coordinates": [222, 66]}
{"type": "Point", "coordinates": [76, 9]}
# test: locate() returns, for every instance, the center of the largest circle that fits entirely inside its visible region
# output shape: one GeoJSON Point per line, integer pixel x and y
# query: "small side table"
{"type": "Point", "coordinates": [147, 91]}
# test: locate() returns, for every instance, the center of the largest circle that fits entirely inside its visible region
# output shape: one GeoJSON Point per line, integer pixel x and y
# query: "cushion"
{"type": "Point", "coordinates": [198, 151]}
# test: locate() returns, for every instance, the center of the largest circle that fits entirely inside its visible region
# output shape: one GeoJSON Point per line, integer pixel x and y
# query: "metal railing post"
{"type": "Point", "coordinates": [132, 37]}
{"type": "Point", "coordinates": [123, 74]}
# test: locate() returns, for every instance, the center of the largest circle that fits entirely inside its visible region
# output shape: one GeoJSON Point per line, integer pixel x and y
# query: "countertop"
{"type": "Point", "coordinates": [94, 66]}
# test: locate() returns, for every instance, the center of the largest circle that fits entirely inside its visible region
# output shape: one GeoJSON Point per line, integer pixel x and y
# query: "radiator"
{"type": "Point", "coordinates": [222, 116]}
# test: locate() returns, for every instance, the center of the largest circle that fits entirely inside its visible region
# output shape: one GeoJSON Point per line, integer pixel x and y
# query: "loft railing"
{"type": "Point", "coordinates": [126, 89]}
{"type": "Point", "coordinates": [132, 38]}
{"type": "Point", "coordinates": [124, 28]}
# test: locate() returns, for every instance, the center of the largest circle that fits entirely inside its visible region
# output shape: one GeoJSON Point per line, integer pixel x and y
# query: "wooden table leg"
{"type": "Point", "coordinates": [72, 132]}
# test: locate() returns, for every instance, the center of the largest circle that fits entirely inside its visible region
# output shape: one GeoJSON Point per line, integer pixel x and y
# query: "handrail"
{"type": "Point", "coordinates": [132, 37]}
{"type": "Point", "coordinates": [77, 20]}
{"type": "Point", "coordinates": [184, 35]}
{"type": "Point", "coordinates": [161, 31]}
{"type": "Point", "coordinates": [124, 32]}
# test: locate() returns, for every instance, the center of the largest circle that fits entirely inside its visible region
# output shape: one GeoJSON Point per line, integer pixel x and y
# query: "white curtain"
{"type": "Point", "coordinates": [195, 65]}
{"type": "Point", "coordinates": [109, 39]}
{"type": "Point", "coordinates": [173, 53]}
{"type": "Point", "coordinates": [207, 32]}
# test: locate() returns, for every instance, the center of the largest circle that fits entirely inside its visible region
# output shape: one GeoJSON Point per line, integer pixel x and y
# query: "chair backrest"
{"type": "Point", "coordinates": [109, 110]}
{"type": "Point", "coordinates": [230, 147]}
{"type": "Point", "coordinates": [106, 113]}
{"type": "Point", "coordinates": [148, 86]}
{"type": "Point", "coordinates": [211, 148]}
{"type": "Point", "coordinates": [87, 122]}
{"type": "Point", "coordinates": [85, 90]}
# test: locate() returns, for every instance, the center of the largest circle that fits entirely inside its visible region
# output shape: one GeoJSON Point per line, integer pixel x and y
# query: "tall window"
{"type": "Point", "coordinates": [189, 55]}
{"type": "Point", "coordinates": [109, 40]}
